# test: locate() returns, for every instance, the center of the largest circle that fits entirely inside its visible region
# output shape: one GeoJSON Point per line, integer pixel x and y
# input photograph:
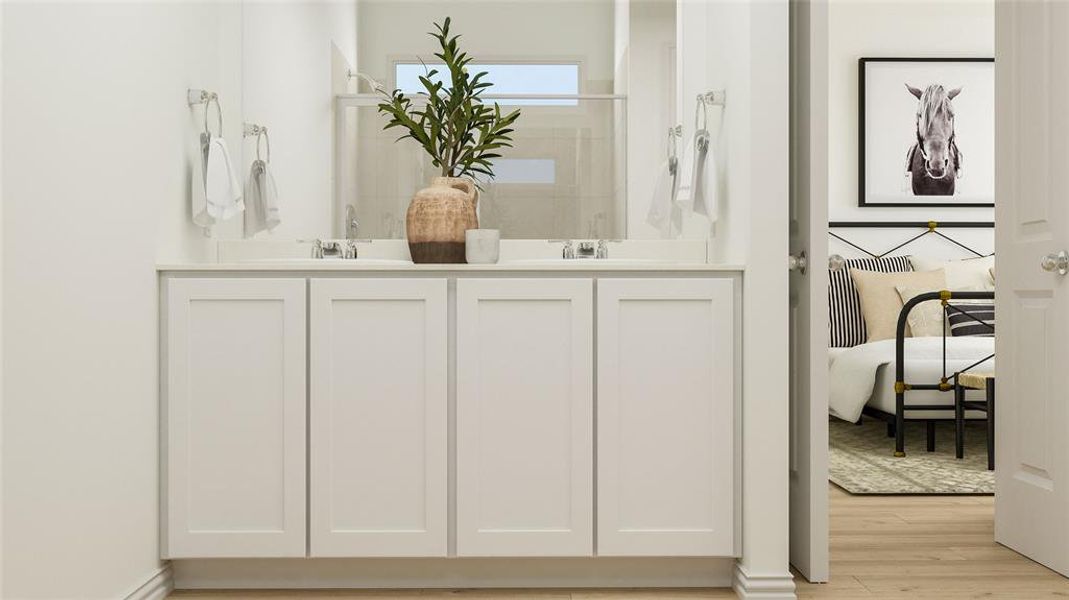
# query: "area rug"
{"type": "Point", "coordinates": [861, 460]}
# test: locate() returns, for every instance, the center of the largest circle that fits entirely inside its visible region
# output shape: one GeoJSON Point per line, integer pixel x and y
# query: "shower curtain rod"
{"type": "Point", "coordinates": [415, 97]}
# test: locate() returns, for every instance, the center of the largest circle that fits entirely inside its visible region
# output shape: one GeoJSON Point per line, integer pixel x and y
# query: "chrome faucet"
{"type": "Point", "coordinates": [327, 249]}
{"type": "Point", "coordinates": [335, 248]}
{"type": "Point", "coordinates": [567, 250]}
{"type": "Point", "coordinates": [588, 249]}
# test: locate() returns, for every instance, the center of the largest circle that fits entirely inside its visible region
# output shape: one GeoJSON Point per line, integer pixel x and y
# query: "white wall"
{"type": "Point", "coordinates": [739, 154]}
{"type": "Point", "coordinates": [754, 65]}
{"type": "Point", "coordinates": [290, 77]}
{"type": "Point", "coordinates": [882, 28]}
{"type": "Point", "coordinates": [711, 39]}
{"type": "Point", "coordinates": [1, 304]}
{"type": "Point", "coordinates": [95, 179]}
{"type": "Point", "coordinates": [547, 29]}
{"type": "Point", "coordinates": [651, 105]}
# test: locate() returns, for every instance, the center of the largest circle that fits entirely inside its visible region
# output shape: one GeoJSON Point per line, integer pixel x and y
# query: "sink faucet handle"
{"type": "Point", "coordinates": [317, 247]}
{"type": "Point", "coordinates": [568, 250]}
{"type": "Point", "coordinates": [351, 222]}
{"type": "Point", "coordinates": [350, 248]}
{"type": "Point", "coordinates": [603, 247]}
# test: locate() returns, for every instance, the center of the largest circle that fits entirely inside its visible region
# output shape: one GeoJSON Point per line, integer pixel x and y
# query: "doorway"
{"type": "Point", "coordinates": [829, 209]}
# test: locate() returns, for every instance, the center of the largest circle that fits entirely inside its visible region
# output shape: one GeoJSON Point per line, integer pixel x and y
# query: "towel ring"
{"type": "Point", "coordinates": [267, 142]}
{"type": "Point", "coordinates": [700, 109]}
{"type": "Point", "coordinates": [260, 131]}
{"type": "Point", "coordinates": [674, 133]}
{"type": "Point", "coordinates": [672, 149]}
{"type": "Point", "coordinates": [218, 111]}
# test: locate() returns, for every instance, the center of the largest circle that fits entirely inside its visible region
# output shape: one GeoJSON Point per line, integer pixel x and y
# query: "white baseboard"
{"type": "Point", "coordinates": [157, 587]}
{"type": "Point", "coordinates": [763, 587]}
{"type": "Point", "coordinates": [388, 573]}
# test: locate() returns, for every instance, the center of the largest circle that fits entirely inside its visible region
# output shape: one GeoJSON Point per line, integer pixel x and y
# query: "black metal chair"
{"type": "Point", "coordinates": [973, 380]}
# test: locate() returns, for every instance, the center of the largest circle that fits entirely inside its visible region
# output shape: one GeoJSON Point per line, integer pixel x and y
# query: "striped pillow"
{"type": "Point", "coordinates": [846, 321]}
{"type": "Point", "coordinates": [965, 324]}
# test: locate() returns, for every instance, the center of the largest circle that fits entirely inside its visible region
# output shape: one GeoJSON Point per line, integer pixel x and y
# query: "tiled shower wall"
{"type": "Point", "coordinates": [584, 199]}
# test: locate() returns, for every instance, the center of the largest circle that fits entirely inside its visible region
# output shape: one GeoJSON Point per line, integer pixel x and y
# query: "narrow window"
{"type": "Point", "coordinates": [513, 79]}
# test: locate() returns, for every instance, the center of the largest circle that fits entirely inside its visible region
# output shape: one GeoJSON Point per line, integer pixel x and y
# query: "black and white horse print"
{"type": "Point", "coordinates": [934, 162]}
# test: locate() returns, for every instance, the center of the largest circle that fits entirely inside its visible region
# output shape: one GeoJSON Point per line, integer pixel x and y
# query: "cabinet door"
{"type": "Point", "coordinates": [234, 388]}
{"type": "Point", "coordinates": [665, 417]}
{"type": "Point", "coordinates": [524, 417]}
{"type": "Point", "coordinates": [378, 411]}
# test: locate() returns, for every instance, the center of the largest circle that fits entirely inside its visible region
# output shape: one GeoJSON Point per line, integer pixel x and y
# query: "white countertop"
{"type": "Point", "coordinates": [338, 265]}
{"type": "Point", "coordinates": [391, 256]}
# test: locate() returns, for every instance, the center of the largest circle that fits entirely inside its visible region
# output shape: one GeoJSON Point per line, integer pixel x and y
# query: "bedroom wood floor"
{"type": "Point", "coordinates": [893, 547]}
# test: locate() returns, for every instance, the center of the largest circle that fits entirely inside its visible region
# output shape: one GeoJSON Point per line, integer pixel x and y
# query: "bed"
{"type": "Point", "coordinates": [876, 368]}
{"type": "Point", "coordinates": [864, 376]}
{"type": "Point", "coordinates": [907, 378]}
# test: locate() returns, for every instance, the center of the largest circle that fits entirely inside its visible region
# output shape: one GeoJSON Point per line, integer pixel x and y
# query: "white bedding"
{"type": "Point", "coordinates": [855, 372]}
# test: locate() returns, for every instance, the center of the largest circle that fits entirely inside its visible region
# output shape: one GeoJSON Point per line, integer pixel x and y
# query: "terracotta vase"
{"type": "Point", "coordinates": [437, 219]}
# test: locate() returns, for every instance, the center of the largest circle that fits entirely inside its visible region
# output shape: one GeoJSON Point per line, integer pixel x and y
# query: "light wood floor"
{"type": "Point", "coordinates": [888, 547]}
{"type": "Point", "coordinates": [925, 547]}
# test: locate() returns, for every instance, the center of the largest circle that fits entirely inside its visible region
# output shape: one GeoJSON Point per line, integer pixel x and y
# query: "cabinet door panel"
{"type": "Point", "coordinates": [378, 411]}
{"type": "Point", "coordinates": [665, 417]}
{"type": "Point", "coordinates": [235, 418]}
{"type": "Point", "coordinates": [524, 417]}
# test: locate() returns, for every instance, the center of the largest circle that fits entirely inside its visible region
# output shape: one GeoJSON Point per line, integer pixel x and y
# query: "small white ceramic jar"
{"type": "Point", "coordinates": [482, 246]}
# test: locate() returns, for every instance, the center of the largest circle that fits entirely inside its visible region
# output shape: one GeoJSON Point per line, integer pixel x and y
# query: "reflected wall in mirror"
{"type": "Point", "coordinates": [296, 60]}
{"type": "Point", "coordinates": [596, 80]}
{"type": "Point", "coordinates": [553, 59]}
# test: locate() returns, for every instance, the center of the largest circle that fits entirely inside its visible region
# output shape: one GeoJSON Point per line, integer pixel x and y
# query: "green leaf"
{"type": "Point", "coordinates": [458, 131]}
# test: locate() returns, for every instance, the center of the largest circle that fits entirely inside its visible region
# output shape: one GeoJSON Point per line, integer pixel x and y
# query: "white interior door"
{"type": "Point", "coordinates": [1032, 342]}
{"type": "Point", "coordinates": [808, 292]}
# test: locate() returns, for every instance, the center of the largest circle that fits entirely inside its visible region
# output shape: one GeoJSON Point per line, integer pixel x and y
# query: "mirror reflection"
{"type": "Point", "coordinates": [315, 74]}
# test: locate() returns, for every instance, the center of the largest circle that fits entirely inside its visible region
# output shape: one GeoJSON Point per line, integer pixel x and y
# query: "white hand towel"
{"type": "Point", "coordinates": [270, 195]}
{"type": "Point", "coordinates": [704, 184]}
{"type": "Point", "coordinates": [221, 186]}
{"type": "Point", "coordinates": [261, 200]}
{"type": "Point", "coordinates": [684, 199]}
{"type": "Point", "coordinates": [198, 195]}
{"type": "Point", "coordinates": [664, 213]}
{"type": "Point", "coordinates": [698, 192]}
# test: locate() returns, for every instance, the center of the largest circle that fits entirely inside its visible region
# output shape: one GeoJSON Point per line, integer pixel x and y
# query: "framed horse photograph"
{"type": "Point", "coordinates": [926, 132]}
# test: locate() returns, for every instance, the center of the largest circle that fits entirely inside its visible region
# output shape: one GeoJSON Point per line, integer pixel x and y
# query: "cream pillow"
{"type": "Point", "coordinates": [927, 319]}
{"type": "Point", "coordinates": [880, 302]}
{"type": "Point", "coordinates": [967, 274]}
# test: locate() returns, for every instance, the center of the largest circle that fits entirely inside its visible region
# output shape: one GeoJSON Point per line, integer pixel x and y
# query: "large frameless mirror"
{"type": "Point", "coordinates": [313, 74]}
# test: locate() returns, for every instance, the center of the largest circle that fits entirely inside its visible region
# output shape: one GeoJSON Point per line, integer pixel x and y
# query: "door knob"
{"type": "Point", "coordinates": [799, 262]}
{"type": "Point", "coordinates": [1056, 262]}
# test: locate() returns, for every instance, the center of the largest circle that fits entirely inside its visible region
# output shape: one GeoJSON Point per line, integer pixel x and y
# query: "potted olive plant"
{"type": "Point", "coordinates": [462, 135]}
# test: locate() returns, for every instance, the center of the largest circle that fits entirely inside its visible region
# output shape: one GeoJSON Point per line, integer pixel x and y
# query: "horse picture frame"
{"type": "Point", "coordinates": [926, 132]}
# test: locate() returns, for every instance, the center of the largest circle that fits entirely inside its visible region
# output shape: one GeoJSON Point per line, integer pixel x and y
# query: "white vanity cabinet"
{"type": "Point", "coordinates": [446, 414]}
{"type": "Point", "coordinates": [525, 431]}
{"type": "Point", "coordinates": [665, 417]}
{"type": "Point", "coordinates": [378, 409]}
{"type": "Point", "coordinates": [234, 418]}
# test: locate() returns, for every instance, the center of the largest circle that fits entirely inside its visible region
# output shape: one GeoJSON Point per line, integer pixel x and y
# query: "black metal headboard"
{"type": "Point", "coordinates": [930, 228]}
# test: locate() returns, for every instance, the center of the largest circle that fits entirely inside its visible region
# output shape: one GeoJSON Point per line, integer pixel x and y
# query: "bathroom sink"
{"type": "Point", "coordinates": [332, 261]}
